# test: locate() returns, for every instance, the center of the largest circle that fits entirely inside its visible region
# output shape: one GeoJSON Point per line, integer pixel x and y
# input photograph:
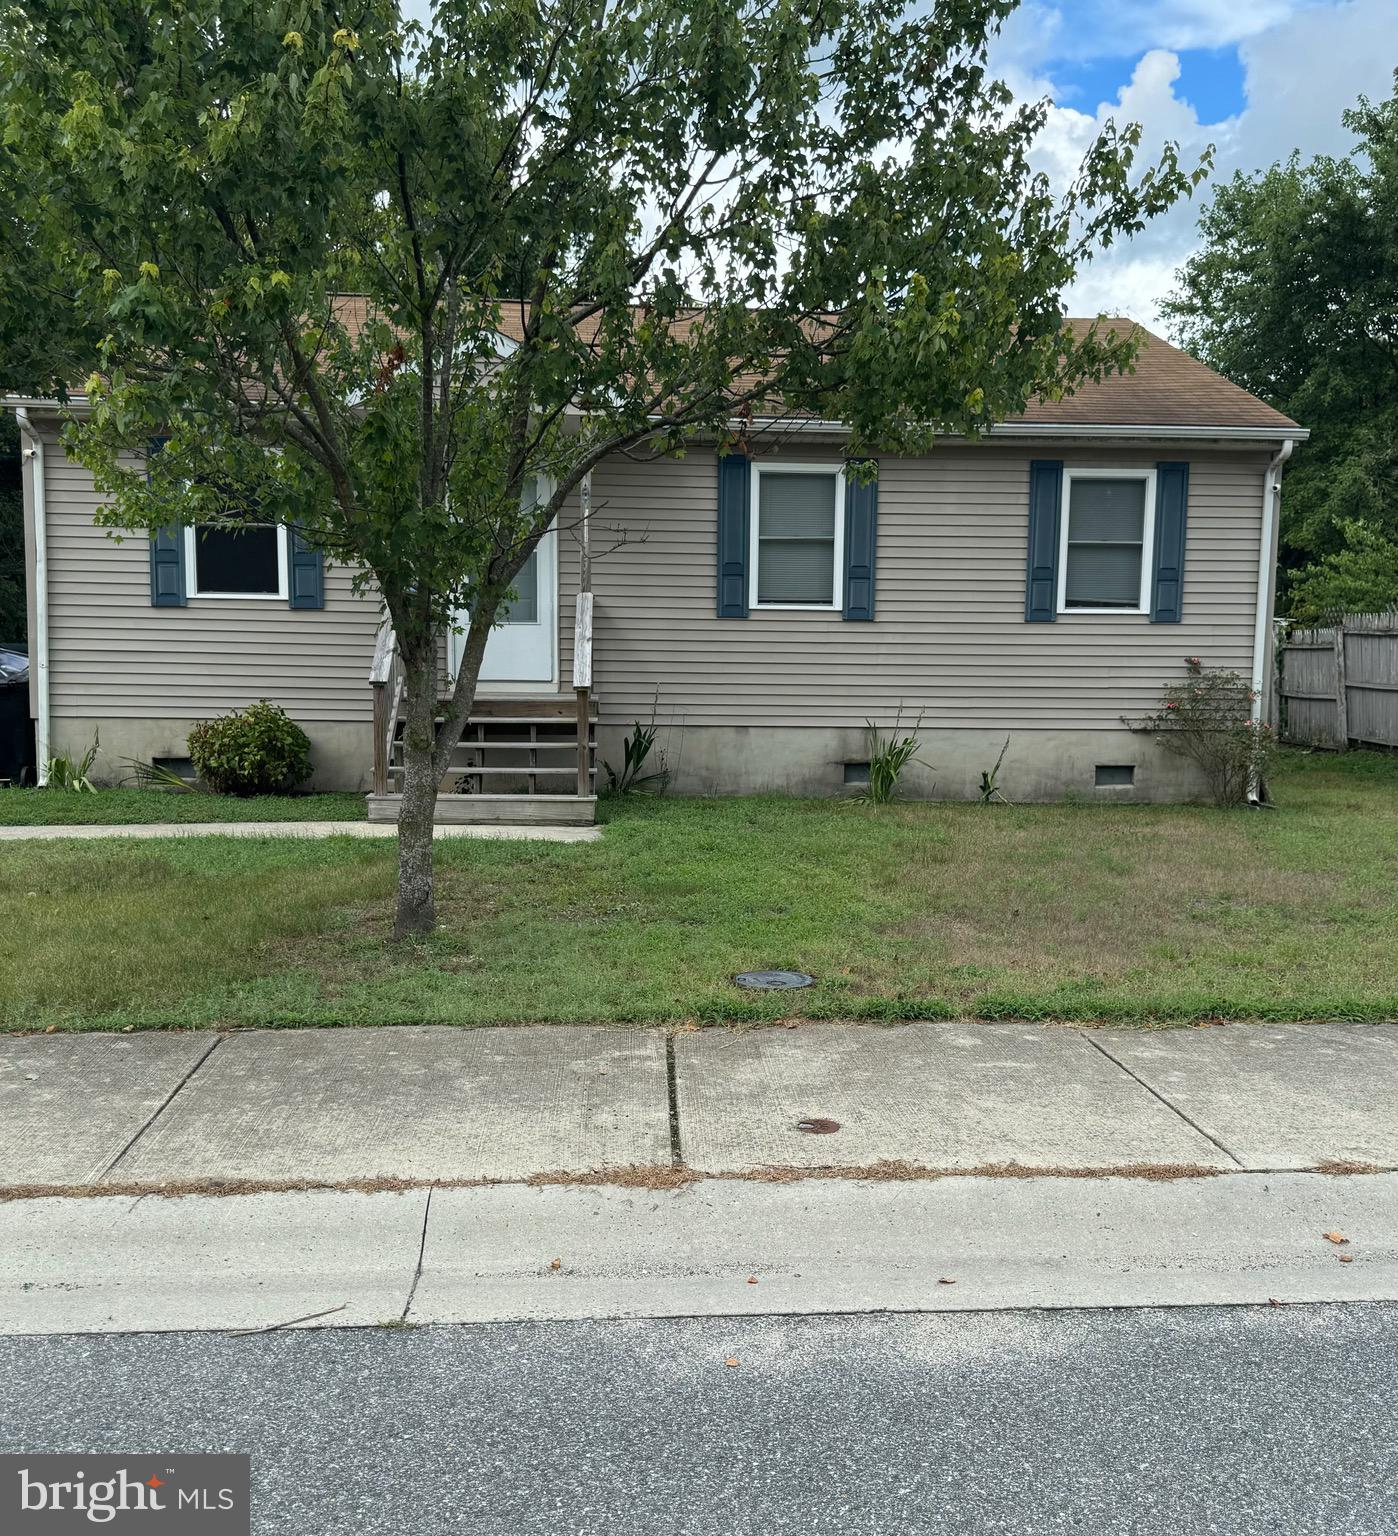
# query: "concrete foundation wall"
{"type": "Point", "coordinates": [1038, 766]}
{"type": "Point", "coordinates": [341, 752]}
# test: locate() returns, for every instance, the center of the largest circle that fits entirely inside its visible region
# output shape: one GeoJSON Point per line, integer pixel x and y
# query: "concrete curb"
{"type": "Point", "coordinates": [334, 1259]}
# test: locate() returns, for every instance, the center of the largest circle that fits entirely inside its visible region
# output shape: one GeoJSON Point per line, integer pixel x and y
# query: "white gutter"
{"type": "Point", "coordinates": [1266, 569]}
{"type": "Point", "coordinates": [40, 659]}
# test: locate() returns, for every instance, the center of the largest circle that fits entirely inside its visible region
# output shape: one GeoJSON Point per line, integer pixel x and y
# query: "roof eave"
{"type": "Point", "coordinates": [1156, 432]}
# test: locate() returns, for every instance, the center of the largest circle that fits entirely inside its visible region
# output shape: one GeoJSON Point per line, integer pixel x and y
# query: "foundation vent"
{"type": "Point", "coordinates": [1114, 775]}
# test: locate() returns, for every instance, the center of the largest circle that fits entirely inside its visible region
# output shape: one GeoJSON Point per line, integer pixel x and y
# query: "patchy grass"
{"type": "Point", "coordinates": [1139, 914]}
{"type": "Point", "coordinates": [126, 807]}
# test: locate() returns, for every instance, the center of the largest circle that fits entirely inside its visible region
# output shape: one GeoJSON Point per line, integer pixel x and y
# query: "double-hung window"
{"type": "Point", "coordinates": [1108, 528]}
{"type": "Point", "coordinates": [797, 535]}
{"type": "Point", "coordinates": [236, 561]}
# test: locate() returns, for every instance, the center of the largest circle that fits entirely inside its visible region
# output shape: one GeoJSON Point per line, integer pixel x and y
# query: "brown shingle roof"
{"type": "Point", "coordinates": [1168, 389]}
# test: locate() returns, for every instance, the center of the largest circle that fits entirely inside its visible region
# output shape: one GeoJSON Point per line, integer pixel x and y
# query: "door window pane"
{"type": "Point", "coordinates": [525, 608]}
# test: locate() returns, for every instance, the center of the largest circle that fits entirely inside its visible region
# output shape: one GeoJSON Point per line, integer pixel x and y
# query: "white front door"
{"type": "Point", "coordinates": [523, 647]}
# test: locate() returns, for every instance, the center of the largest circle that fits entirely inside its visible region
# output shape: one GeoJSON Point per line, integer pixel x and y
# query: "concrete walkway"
{"type": "Point", "coordinates": [971, 1167]}
{"type": "Point", "coordinates": [460, 1105]}
{"type": "Point", "coordinates": [293, 829]}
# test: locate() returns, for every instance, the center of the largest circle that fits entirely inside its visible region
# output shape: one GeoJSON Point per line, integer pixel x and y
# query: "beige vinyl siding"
{"type": "Point", "coordinates": [114, 656]}
{"type": "Point", "coordinates": [949, 638]}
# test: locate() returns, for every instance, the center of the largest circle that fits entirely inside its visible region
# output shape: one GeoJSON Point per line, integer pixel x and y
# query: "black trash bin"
{"type": "Point", "coordinates": [17, 762]}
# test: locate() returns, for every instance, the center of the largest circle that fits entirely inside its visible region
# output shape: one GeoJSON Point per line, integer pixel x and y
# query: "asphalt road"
{"type": "Point", "coordinates": [1171, 1423]}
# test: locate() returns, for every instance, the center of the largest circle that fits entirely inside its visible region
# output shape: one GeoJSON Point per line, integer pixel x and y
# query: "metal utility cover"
{"type": "Point", "coordinates": [772, 981]}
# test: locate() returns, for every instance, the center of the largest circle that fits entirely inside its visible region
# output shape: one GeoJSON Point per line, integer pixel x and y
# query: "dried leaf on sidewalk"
{"type": "Point", "coordinates": [732, 1360]}
{"type": "Point", "coordinates": [1334, 1237]}
{"type": "Point", "coordinates": [1345, 1258]}
{"type": "Point", "coordinates": [555, 1263]}
{"type": "Point", "coordinates": [945, 1281]}
{"type": "Point", "coordinates": [752, 1279]}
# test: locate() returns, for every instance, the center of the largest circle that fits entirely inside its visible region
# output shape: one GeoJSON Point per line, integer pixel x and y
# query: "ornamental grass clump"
{"type": "Point", "coordinates": [1208, 719]}
{"type": "Point", "coordinates": [254, 751]}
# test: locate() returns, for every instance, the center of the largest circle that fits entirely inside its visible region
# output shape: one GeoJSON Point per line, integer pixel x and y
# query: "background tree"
{"type": "Point", "coordinates": [1360, 577]}
{"type": "Point", "coordinates": [12, 600]}
{"type": "Point", "coordinates": [684, 214]}
{"type": "Point", "coordinates": [1295, 297]}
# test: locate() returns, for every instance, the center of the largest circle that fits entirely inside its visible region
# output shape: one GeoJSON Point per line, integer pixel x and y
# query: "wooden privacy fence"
{"type": "Point", "coordinates": [1339, 684]}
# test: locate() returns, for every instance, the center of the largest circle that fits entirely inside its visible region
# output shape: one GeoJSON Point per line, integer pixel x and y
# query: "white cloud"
{"type": "Point", "coordinates": [1302, 67]}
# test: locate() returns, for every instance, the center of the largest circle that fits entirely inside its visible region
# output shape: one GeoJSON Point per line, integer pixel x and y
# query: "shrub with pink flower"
{"type": "Point", "coordinates": [1208, 719]}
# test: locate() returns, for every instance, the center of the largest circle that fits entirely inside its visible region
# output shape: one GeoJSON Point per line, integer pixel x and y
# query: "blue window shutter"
{"type": "Point", "coordinates": [1045, 514]}
{"type": "Point", "coordinates": [167, 568]}
{"type": "Point", "coordinates": [861, 530]}
{"type": "Point", "coordinates": [166, 555]}
{"type": "Point", "coordinates": [734, 516]}
{"type": "Point", "coordinates": [1171, 515]}
{"type": "Point", "coordinates": [306, 576]}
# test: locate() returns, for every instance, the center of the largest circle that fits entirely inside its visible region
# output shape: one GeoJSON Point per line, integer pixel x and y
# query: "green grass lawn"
{"type": "Point", "coordinates": [1075, 912]}
{"type": "Point", "coordinates": [113, 807]}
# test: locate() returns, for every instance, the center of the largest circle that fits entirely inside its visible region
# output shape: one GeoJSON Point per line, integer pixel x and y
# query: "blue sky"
{"type": "Point", "coordinates": [1211, 80]}
{"type": "Point", "coordinates": [1254, 78]}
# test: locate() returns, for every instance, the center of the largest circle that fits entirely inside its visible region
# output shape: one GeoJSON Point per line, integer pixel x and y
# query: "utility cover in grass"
{"type": "Point", "coordinates": [772, 981]}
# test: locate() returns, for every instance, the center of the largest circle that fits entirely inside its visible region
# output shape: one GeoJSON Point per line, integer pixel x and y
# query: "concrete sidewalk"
{"type": "Point", "coordinates": [140, 829]}
{"type": "Point", "coordinates": [429, 1104]}
{"type": "Point", "coordinates": [565, 1172]}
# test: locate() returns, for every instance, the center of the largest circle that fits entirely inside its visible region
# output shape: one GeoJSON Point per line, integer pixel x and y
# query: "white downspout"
{"type": "Point", "coordinates": [40, 659]}
{"type": "Point", "coordinates": [1266, 568]}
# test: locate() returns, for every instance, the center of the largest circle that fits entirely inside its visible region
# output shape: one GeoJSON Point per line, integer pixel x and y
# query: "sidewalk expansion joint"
{"type": "Point", "coordinates": [672, 1095]}
{"type": "Point", "coordinates": [1156, 1094]}
{"type": "Point", "coordinates": [421, 1250]}
{"type": "Point", "coordinates": [159, 1110]}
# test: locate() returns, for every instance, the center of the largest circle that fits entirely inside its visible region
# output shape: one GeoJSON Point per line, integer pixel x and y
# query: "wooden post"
{"type": "Point", "coordinates": [1341, 689]}
{"type": "Point", "coordinates": [584, 741]}
{"type": "Point", "coordinates": [380, 738]}
{"type": "Point", "coordinates": [582, 640]}
{"type": "Point", "coordinates": [381, 671]}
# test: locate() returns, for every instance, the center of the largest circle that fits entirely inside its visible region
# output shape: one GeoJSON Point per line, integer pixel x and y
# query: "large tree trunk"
{"type": "Point", "coordinates": [417, 909]}
{"type": "Point", "coordinates": [427, 753]}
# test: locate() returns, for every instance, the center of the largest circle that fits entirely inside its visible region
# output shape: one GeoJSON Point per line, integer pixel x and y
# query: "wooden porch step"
{"type": "Point", "coordinates": [527, 709]}
{"type": "Point", "coordinates": [497, 810]}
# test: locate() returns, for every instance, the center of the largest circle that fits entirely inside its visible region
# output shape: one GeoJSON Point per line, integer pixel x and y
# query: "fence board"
{"type": "Point", "coordinates": [1339, 684]}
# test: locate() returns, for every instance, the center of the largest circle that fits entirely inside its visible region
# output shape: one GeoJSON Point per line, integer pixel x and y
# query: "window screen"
{"type": "Point", "coordinates": [237, 560]}
{"type": "Point", "coordinates": [796, 538]}
{"type": "Point", "coordinates": [1106, 543]}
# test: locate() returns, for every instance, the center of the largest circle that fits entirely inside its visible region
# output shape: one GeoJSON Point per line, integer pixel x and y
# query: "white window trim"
{"type": "Point", "coordinates": [1147, 477]}
{"type": "Point", "coordinates": [191, 572]}
{"type": "Point", "coordinates": [837, 471]}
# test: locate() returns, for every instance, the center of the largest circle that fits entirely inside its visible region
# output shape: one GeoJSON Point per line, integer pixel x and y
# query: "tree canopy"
{"type": "Point", "coordinates": [571, 227]}
{"type": "Point", "coordinates": [1295, 297]}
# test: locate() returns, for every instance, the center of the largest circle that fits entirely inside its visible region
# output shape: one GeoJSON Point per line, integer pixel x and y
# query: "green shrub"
{"type": "Point", "coordinates": [253, 751]}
